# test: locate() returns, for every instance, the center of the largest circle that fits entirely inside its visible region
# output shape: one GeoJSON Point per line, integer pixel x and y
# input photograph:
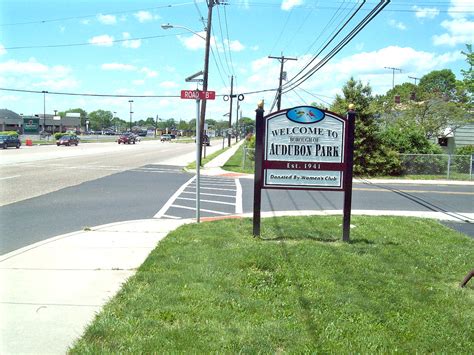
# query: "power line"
{"type": "Point", "coordinates": [83, 94]}
{"type": "Point", "coordinates": [228, 40]}
{"type": "Point", "coordinates": [322, 49]}
{"type": "Point", "coordinates": [90, 16]}
{"type": "Point", "coordinates": [361, 25]}
{"type": "Point", "coordinates": [92, 44]}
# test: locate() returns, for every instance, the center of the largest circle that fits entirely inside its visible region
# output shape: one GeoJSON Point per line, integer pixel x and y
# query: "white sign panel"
{"type": "Point", "coordinates": [304, 148]}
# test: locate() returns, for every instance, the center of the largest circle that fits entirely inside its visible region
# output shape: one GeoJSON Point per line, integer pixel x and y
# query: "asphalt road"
{"type": "Point", "coordinates": [48, 191]}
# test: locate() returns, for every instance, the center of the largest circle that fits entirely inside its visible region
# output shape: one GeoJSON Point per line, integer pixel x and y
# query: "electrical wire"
{"type": "Point", "coordinates": [93, 44]}
{"type": "Point", "coordinates": [375, 11]}
{"type": "Point", "coordinates": [90, 16]}
{"type": "Point", "coordinates": [223, 44]}
{"type": "Point", "coordinates": [228, 41]}
{"type": "Point", "coordinates": [327, 44]}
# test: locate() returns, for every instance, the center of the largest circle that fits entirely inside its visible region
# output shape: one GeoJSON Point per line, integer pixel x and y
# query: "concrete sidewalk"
{"type": "Point", "coordinates": [50, 291]}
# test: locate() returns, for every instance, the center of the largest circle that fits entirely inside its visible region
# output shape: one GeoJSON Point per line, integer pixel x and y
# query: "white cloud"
{"type": "Point", "coordinates": [460, 8]}
{"type": "Point", "coordinates": [289, 4]}
{"type": "Point", "coordinates": [134, 43]}
{"type": "Point", "coordinates": [107, 19]}
{"type": "Point", "coordinates": [425, 12]}
{"type": "Point", "coordinates": [194, 42]}
{"type": "Point", "coordinates": [85, 22]}
{"type": "Point", "coordinates": [59, 84]}
{"type": "Point", "coordinates": [235, 46]}
{"type": "Point", "coordinates": [148, 72]}
{"type": "Point", "coordinates": [406, 58]}
{"type": "Point", "coordinates": [459, 31]}
{"type": "Point", "coordinates": [145, 16]}
{"type": "Point", "coordinates": [255, 48]}
{"type": "Point", "coordinates": [35, 74]}
{"type": "Point", "coordinates": [169, 85]}
{"type": "Point", "coordinates": [138, 82]}
{"type": "Point", "coordinates": [397, 24]}
{"type": "Point", "coordinates": [2, 49]}
{"type": "Point", "coordinates": [102, 40]}
{"type": "Point", "coordinates": [118, 66]}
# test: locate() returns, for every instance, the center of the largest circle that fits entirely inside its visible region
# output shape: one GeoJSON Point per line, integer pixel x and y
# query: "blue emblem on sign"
{"type": "Point", "coordinates": [305, 114]}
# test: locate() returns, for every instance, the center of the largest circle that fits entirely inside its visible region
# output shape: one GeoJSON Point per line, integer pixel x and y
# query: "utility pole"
{"type": "Point", "coordinates": [393, 74]}
{"type": "Point", "coordinates": [230, 109]}
{"type": "Point", "coordinates": [130, 101]}
{"type": "Point", "coordinates": [210, 5]}
{"type": "Point", "coordinates": [282, 60]}
{"type": "Point", "coordinates": [412, 77]}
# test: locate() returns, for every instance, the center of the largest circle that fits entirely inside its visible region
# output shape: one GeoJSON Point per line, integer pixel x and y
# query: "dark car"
{"type": "Point", "coordinates": [127, 138]}
{"type": "Point", "coordinates": [68, 140]}
{"type": "Point", "coordinates": [9, 141]}
{"type": "Point", "coordinates": [205, 140]}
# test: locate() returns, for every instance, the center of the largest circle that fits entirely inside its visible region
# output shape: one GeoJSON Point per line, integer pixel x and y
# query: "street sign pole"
{"type": "Point", "coordinates": [198, 161]}
{"type": "Point", "coordinates": [197, 95]}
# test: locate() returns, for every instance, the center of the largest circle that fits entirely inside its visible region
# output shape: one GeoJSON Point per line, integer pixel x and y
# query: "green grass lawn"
{"type": "Point", "coordinates": [212, 288]}
{"type": "Point", "coordinates": [206, 159]}
{"type": "Point", "coordinates": [235, 163]}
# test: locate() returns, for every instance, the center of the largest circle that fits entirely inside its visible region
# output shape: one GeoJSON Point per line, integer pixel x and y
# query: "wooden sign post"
{"type": "Point", "coordinates": [304, 148]}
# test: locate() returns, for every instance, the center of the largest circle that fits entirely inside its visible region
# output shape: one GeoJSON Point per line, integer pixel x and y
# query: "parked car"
{"type": "Point", "coordinates": [68, 140]}
{"type": "Point", "coordinates": [9, 141]}
{"type": "Point", "coordinates": [165, 137]}
{"type": "Point", "coordinates": [127, 138]}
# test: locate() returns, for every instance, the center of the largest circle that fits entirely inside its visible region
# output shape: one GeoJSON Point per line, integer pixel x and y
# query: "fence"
{"type": "Point", "coordinates": [248, 158]}
{"type": "Point", "coordinates": [445, 166]}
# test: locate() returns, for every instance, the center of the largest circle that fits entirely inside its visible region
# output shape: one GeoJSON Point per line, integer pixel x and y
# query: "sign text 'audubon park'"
{"type": "Point", "coordinates": [304, 148]}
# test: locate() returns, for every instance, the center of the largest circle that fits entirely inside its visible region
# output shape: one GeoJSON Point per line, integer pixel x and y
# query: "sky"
{"type": "Point", "coordinates": [112, 47]}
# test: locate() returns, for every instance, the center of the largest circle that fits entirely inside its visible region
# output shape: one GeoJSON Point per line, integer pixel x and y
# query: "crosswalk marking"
{"type": "Point", "coordinates": [216, 192]}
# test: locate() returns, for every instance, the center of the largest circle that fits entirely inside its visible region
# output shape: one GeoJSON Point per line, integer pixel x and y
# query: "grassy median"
{"type": "Point", "coordinates": [212, 287]}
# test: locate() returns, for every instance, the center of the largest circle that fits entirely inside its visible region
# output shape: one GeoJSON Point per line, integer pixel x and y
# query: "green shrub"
{"type": "Point", "coordinates": [59, 135]}
{"type": "Point", "coordinates": [462, 160]}
{"type": "Point", "coordinates": [9, 133]}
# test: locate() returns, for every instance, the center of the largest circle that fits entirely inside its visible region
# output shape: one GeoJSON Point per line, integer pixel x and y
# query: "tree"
{"type": "Point", "coordinates": [100, 119]}
{"type": "Point", "coordinates": [439, 83]}
{"type": "Point", "coordinates": [468, 75]}
{"type": "Point", "coordinates": [371, 156]}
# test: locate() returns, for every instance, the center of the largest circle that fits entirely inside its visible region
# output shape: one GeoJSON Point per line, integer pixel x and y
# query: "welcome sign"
{"type": "Point", "coordinates": [304, 148]}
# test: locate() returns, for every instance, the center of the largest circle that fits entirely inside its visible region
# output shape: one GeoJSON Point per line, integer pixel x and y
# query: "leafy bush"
{"type": "Point", "coordinates": [9, 133]}
{"type": "Point", "coordinates": [58, 135]}
{"type": "Point", "coordinates": [462, 160]}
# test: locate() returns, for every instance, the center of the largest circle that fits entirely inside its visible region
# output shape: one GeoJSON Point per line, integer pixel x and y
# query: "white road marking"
{"type": "Point", "coordinates": [172, 217]}
{"type": "Point", "coordinates": [202, 210]}
{"type": "Point", "coordinates": [215, 188]}
{"type": "Point", "coordinates": [238, 197]}
{"type": "Point", "coordinates": [207, 194]}
{"type": "Point", "coordinates": [9, 177]}
{"type": "Point", "coordinates": [173, 198]}
{"type": "Point", "coordinates": [210, 201]}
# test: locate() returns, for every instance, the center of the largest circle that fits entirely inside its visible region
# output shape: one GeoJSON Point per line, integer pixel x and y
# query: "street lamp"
{"type": "Point", "coordinates": [130, 101]}
{"type": "Point", "coordinates": [206, 65]}
{"type": "Point", "coordinates": [167, 26]}
{"type": "Point", "coordinates": [44, 110]}
{"type": "Point", "coordinates": [115, 121]}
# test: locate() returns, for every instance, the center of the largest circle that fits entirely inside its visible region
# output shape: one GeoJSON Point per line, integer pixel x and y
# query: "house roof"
{"type": "Point", "coordinates": [10, 115]}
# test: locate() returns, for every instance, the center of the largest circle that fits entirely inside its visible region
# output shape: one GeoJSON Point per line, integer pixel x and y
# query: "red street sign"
{"type": "Point", "coordinates": [197, 94]}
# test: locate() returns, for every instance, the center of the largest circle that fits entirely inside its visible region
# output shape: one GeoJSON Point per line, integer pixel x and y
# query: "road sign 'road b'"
{"type": "Point", "coordinates": [197, 94]}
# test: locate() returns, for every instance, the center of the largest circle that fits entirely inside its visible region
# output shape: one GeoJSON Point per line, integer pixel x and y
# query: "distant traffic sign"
{"type": "Point", "coordinates": [197, 94]}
